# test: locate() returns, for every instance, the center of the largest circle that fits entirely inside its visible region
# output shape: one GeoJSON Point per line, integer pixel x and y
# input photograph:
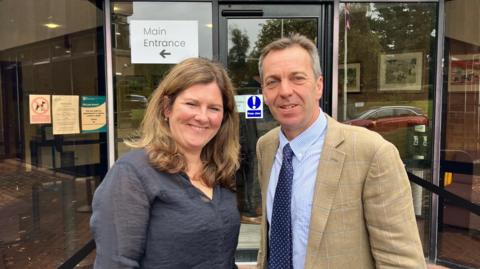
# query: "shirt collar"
{"type": "Point", "coordinates": [307, 138]}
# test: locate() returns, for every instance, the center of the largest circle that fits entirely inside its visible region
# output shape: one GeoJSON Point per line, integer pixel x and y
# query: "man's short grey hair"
{"type": "Point", "coordinates": [291, 41]}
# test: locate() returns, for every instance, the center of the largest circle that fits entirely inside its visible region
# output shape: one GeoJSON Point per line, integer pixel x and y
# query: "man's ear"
{"type": "Point", "coordinates": [319, 88]}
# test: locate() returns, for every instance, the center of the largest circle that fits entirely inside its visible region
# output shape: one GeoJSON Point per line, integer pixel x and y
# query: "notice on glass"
{"type": "Point", "coordinates": [93, 110]}
{"type": "Point", "coordinates": [163, 42]}
{"type": "Point", "coordinates": [39, 109]}
{"type": "Point", "coordinates": [240, 102]}
{"type": "Point", "coordinates": [65, 113]}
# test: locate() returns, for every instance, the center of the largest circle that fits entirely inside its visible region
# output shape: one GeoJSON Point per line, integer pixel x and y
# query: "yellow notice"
{"type": "Point", "coordinates": [65, 114]}
{"type": "Point", "coordinates": [39, 108]}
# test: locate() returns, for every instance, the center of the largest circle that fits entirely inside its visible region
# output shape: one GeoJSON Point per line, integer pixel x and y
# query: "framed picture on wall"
{"type": "Point", "coordinates": [400, 72]}
{"type": "Point", "coordinates": [353, 77]}
{"type": "Point", "coordinates": [464, 73]}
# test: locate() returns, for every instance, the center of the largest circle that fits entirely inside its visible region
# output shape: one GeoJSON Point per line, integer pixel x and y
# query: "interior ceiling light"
{"type": "Point", "coordinates": [51, 25]}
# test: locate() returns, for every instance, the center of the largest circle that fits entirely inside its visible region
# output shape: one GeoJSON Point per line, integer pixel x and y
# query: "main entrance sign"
{"type": "Point", "coordinates": [163, 42]}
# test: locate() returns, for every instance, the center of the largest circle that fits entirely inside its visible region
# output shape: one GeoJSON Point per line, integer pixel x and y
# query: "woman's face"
{"type": "Point", "coordinates": [196, 116]}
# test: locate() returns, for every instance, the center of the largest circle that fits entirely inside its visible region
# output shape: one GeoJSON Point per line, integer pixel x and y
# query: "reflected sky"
{"type": "Point", "coordinates": [250, 27]}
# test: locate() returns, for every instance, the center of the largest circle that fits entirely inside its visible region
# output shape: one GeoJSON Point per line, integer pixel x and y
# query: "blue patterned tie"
{"type": "Point", "coordinates": [280, 244]}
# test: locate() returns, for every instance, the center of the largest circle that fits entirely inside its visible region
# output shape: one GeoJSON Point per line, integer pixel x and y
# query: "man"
{"type": "Point", "coordinates": [334, 195]}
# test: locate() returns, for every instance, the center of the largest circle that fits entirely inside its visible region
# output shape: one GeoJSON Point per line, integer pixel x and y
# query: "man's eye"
{"type": "Point", "coordinates": [299, 78]}
{"type": "Point", "coordinates": [271, 83]}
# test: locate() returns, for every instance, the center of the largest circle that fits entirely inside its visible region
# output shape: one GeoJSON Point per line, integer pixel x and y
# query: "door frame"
{"type": "Point", "coordinates": [329, 51]}
{"type": "Point", "coordinates": [323, 11]}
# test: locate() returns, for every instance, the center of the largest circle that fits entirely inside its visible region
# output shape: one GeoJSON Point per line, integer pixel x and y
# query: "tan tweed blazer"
{"type": "Point", "coordinates": [362, 213]}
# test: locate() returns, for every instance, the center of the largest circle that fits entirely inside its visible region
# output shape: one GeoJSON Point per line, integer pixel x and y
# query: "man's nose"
{"type": "Point", "coordinates": [285, 88]}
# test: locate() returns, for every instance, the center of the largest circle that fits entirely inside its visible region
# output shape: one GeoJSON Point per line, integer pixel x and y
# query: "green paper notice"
{"type": "Point", "coordinates": [93, 110]}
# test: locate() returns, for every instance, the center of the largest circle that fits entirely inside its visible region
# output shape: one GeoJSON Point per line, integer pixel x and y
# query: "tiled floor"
{"type": "Point", "coordinates": [40, 224]}
{"type": "Point", "coordinates": [460, 246]}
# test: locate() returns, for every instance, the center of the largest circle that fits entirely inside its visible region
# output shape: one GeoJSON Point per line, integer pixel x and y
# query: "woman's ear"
{"type": "Point", "coordinates": [166, 112]}
{"type": "Point", "coordinates": [167, 107]}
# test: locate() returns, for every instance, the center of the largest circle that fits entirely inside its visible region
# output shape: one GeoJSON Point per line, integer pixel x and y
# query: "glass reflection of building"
{"type": "Point", "coordinates": [383, 70]}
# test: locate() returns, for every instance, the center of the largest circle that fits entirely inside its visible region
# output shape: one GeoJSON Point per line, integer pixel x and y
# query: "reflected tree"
{"type": "Point", "coordinates": [276, 28]}
{"type": "Point", "coordinates": [389, 28]}
{"type": "Point", "coordinates": [237, 56]}
{"type": "Point", "coordinates": [385, 28]}
{"type": "Point", "coordinates": [403, 26]}
{"type": "Point", "coordinates": [362, 47]}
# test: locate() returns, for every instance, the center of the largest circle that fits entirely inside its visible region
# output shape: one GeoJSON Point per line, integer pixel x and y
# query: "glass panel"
{"type": "Point", "coordinates": [459, 237]}
{"type": "Point", "coordinates": [133, 83]}
{"type": "Point", "coordinates": [246, 38]}
{"type": "Point", "coordinates": [47, 180]}
{"type": "Point", "coordinates": [424, 223]}
{"type": "Point", "coordinates": [386, 82]}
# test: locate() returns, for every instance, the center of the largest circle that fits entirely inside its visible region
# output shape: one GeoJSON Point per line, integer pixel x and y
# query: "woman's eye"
{"type": "Point", "coordinates": [216, 109]}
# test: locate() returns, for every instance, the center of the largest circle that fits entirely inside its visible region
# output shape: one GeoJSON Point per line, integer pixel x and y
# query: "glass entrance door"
{"type": "Point", "coordinates": [52, 145]}
{"type": "Point", "coordinates": [244, 31]}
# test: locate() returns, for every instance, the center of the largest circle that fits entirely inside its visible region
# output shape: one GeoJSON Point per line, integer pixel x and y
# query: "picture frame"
{"type": "Point", "coordinates": [353, 77]}
{"type": "Point", "coordinates": [401, 71]}
{"type": "Point", "coordinates": [464, 73]}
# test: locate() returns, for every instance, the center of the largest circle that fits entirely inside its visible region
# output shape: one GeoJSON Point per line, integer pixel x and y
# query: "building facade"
{"type": "Point", "coordinates": [76, 75]}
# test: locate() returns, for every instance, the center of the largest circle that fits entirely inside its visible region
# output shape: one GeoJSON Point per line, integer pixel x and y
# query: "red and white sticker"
{"type": "Point", "coordinates": [40, 109]}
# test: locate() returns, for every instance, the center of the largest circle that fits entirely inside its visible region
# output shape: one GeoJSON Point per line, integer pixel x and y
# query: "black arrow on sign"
{"type": "Point", "coordinates": [163, 53]}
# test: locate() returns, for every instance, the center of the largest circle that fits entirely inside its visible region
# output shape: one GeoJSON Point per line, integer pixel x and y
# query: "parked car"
{"type": "Point", "coordinates": [390, 118]}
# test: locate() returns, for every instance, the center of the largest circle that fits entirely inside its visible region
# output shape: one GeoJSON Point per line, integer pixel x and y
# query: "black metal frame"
{"type": "Point", "coordinates": [78, 256]}
{"type": "Point", "coordinates": [322, 10]}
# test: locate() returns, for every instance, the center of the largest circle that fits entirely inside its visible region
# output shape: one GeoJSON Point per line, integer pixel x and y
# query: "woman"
{"type": "Point", "coordinates": [170, 203]}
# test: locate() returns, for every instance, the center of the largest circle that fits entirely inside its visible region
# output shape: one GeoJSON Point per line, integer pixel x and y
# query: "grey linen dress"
{"type": "Point", "coordinates": [144, 218]}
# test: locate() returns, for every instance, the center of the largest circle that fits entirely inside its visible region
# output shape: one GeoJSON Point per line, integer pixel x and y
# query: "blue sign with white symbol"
{"type": "Point", "coordinates": [254, 107]}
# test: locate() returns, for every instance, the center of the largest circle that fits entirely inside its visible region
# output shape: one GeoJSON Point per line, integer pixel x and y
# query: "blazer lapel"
{"type": "Point", "coordinates": [269, 151]}
{"type": "Point", "coordinates": [267, 158]}
{"type": "Point", "coordinates": [328, 177]}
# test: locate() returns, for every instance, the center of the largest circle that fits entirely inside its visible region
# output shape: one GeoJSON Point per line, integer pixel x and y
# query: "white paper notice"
{"type": "Point", "coordinates": [164, 42]}
{"type": "Point", "coordinates": [65, 114]}
{"type": "Point", "coordinates": [39, 109]}
{"type": "Point", "coordinates": [240, 102]}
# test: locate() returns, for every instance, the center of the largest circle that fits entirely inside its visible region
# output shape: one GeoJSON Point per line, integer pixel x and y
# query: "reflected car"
{"type": "Point", "coordinates": [390, 118]}
{"type": "Point", "coordinates": [131, 107]}
{"type": "Point", "coordinates": [136, 100]}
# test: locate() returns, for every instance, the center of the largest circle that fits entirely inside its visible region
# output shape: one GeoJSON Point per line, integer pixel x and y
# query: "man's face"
{"type": "Point", "coordinates": [290, 89]}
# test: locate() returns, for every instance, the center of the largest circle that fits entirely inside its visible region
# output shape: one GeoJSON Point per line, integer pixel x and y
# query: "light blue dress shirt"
{"type": "Point", "coordinates": [307, 148]}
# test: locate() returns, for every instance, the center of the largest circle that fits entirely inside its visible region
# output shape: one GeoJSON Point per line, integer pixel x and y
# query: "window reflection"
{"type": "Point", "coordinates": [459, 229]}
{"type": "Point", "coordinates": [46, 180]}
{"type": "Point", "coordinates": [390, 118]}
{"type": "Point", "coordinates": [135, 82]}
{"type": "Point", "coordinates": [388, 83]}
